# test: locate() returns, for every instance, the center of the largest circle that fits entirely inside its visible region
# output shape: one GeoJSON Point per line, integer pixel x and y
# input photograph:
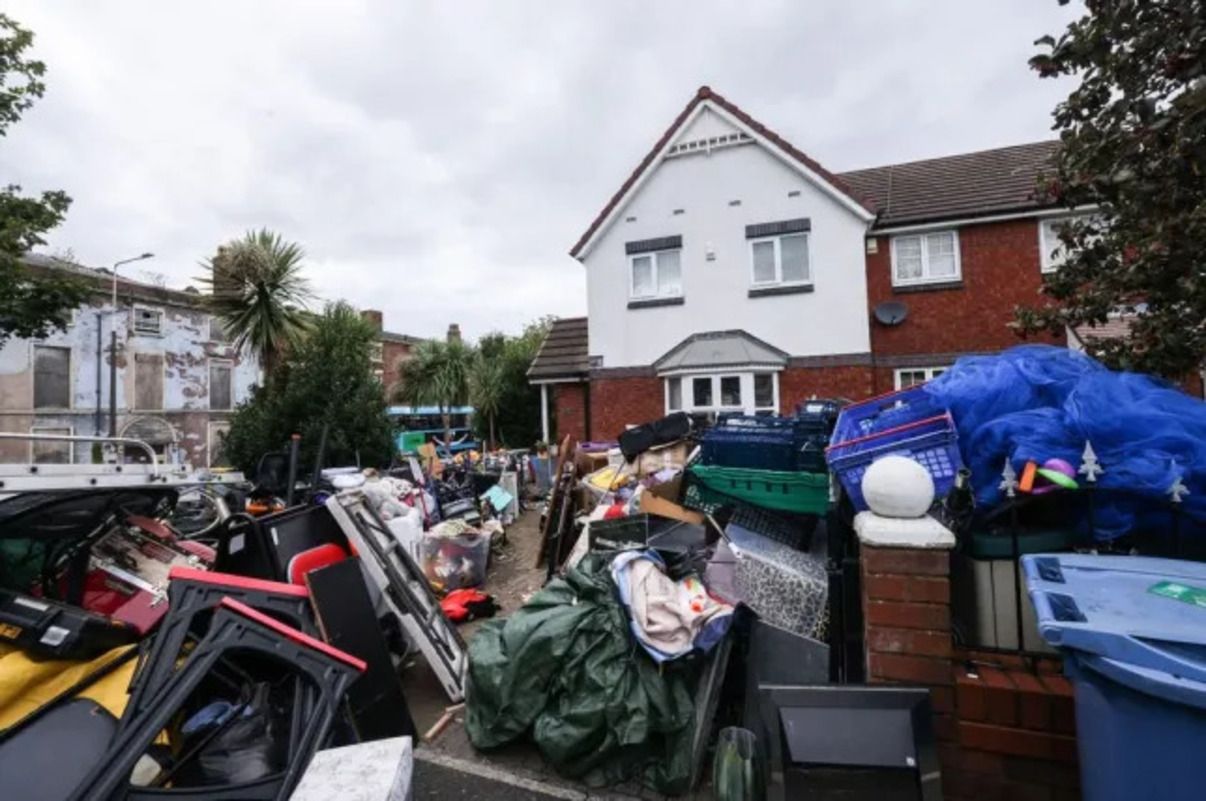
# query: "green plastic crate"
{"type": "Point", "coordinates": [802, 493]}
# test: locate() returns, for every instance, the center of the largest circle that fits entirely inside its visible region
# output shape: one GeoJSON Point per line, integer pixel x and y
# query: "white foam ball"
{"type": "Point", "coordinates": [897, 486]}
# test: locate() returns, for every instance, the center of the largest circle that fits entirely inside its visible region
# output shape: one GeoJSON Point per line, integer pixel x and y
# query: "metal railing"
{"type": "Point", "coordinates": [1089, 516]}
{"type": "Point", "coordinates": [153, 458]}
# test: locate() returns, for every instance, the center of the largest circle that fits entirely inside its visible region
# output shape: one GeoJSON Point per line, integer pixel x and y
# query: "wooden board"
{"type": "Point", "coordinates": [348, 621]}
{"type": "Point", "coordinates": [558, 495]}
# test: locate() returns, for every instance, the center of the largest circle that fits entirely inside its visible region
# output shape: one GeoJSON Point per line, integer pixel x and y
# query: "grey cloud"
{"type": "Point", "coordinates": [437, 160]}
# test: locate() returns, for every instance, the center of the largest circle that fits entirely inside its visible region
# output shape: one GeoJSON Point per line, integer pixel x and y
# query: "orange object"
{"type": "Point", "coordinates": [1026, 484]}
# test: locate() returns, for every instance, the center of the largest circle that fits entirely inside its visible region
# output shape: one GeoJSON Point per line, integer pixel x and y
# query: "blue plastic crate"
{"type": "Point", "coordinates": [884, 412]}
{"type": "Point", "coordinates": [765, 443]}
{"type": "Point", "coordinates": [932, 442]}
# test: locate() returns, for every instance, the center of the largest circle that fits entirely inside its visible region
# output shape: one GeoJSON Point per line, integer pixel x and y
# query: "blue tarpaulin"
{"type": "Point", "coordinates": [1038, 402]}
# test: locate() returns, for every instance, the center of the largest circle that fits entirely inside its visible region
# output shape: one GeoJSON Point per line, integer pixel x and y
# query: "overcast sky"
{"type": "Point", "coordinates": [438, 160]}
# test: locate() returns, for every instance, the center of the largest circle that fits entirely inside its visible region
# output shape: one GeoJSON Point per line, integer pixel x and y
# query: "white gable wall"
{"type": "Point", "coordinates": [832, 319]}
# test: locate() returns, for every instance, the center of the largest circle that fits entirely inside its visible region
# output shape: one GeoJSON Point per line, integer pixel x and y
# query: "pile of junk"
{"type": "Point", "coordinates": [699, 613]}
{"type": "Point", "coordinates": [686, 568]}
{"type": "Point", "coordinates": [207, 639]}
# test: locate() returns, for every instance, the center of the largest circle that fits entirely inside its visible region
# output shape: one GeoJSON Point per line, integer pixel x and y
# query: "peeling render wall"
{"type": "Point", "coordinates": [187, 353]}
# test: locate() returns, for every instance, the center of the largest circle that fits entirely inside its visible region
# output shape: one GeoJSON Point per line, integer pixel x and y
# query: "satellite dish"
{"type": "Point", "coordinates": [891, 312]}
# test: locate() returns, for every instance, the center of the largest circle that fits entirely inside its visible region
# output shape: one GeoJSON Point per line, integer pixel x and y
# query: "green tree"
{"type": "Point", "coordinates": [437, 374]}
{"type": "Point", "coordinates": [487, 391]}
{"type": "Point", "coordinates": [1133, 147]}
{"type": "Point", "coordinates": [259, 295]}
{"type": "Point", "coordinates": [330, 382]}
{"type": "Point", "coordinates": [518, 416]}
{"type": "Point", "coordinates": [32, 304]}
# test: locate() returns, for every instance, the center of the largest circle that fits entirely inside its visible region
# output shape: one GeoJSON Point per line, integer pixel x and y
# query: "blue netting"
{"type": "Point", "coordinates": [1036, 402]}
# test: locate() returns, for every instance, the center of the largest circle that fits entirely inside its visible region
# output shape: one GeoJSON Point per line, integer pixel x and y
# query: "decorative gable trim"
{"type": "Point", "coordinates": [826, 181]}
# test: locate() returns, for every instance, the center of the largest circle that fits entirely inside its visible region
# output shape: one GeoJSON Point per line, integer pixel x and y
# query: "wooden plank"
{"type": "Point", "coordinates": [557, 495]}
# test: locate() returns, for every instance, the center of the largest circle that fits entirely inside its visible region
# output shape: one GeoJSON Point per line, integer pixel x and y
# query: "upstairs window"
{"type": "Point", "coordinates": [779, 252]}
{"type": "Point", "coordinates": [931, 258]}
{"type": "Point", "coordinates": [781, 260]}
{"type": "Point", "coordinates": [1052, 251]}
{"type": "Point", "coordinates": [148, 322]}
{"type": "Point", "coordinates": [657, 275]}
{"type": "Point", "coordinates": [655, 268]}
{"type": "Point", "coordinates": [220, 395]}
{"type": "Point", "coordinates": [218, 332]}
{"type": "Point", "coordinates": [52, 377]}
{"type": "Point", "coordinates": [148, 381]}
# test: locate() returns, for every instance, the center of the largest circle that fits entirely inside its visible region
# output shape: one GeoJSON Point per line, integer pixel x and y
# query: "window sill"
{"type": "Point", "coordinates": [933, 286]}
{"type": "Point", "coordinates": [779, 289]}
{"type": "Point", "coordinates": [650, 303]}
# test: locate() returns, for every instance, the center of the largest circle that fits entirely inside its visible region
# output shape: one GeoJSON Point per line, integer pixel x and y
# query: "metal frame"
{"type": "Point", "coordinates": [405, 588]}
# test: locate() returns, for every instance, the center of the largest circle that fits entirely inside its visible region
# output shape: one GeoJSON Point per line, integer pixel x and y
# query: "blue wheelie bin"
{"type": "Point", "coordinates": [1132, 631]}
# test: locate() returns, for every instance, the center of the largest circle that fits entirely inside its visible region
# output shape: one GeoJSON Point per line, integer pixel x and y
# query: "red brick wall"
{"type": "Point", "coordinates": [618, 402]}
{"type": "Point", "coordinates": [1000, 266]}
{"type": "Point", "coordinates": [1005, 728]}
{"type": "Point", "coordinates": [569, 410]}
{"type": "Point", "coordinates": [392, 356]}
{"type": "Point", "coordinates": [797, 384]}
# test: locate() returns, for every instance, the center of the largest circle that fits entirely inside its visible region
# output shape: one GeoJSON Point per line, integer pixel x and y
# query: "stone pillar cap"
{"type": "Point", "coordinates": [922, 533]}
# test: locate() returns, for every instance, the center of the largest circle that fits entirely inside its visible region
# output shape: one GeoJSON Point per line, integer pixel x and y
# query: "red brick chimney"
{"type": "Point", "coordinates": [374, 318]}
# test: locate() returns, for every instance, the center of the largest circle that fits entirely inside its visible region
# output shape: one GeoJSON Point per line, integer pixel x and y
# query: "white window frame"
{"type": "Point", "coordinates": [744, 375]}
{"type": "Point", "coordinates": [209, 378]}
{"type": "Point", "coordinates": [1048, 263]}
{"type": "Point", "coordinates": [47, 429]}
{"type": "Point", "coordinates": [654, 256]}
{"type": "Point", "coordinates": [930, 374]}
{"type": "Point", "coordinates": [134, 329]}
{"type": "Point", "coordinates": [778, 279]}
{"type": "Point", "coordinates": [926, 278]}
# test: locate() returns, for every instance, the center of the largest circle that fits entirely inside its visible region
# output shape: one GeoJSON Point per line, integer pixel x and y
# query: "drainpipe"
{"type": "Point", "coordinates": [113, 381]}
{"type": "Point", "coordinates": [100, 359]}
{"type": "Point", "coordinates": [544, 412]}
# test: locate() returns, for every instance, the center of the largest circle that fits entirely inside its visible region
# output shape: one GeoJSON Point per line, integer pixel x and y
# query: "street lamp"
{"type": "Point", "coordinates": [112, 352]}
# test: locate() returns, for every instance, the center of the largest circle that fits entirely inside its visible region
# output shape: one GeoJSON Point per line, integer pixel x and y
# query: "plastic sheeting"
{"type": "Point", "coordinates": [1038, 402]}
{"type": "Point", "coordinates": [565, 670]}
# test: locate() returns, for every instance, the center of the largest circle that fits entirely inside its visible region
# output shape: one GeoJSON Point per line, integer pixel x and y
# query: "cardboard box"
{"type": "Point", "coordinates": [662, 500]}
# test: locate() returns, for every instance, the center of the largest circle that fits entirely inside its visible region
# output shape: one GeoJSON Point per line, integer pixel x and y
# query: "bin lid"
{"type": "Point", "coordinates": [1150, 613]}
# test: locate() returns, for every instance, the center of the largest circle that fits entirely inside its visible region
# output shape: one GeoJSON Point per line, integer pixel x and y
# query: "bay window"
{"type": "Point", "coordinates": [713, 393]}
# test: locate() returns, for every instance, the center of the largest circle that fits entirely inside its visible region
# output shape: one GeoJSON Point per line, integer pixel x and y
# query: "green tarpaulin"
{"type": "Point", "coordinates": [565, 671]}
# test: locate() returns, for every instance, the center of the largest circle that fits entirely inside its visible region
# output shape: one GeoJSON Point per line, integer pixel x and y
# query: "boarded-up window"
{"type": "Point", "coordinates": [50, 451]}
{"type": "Point", "coordinates": [217, 331]}
{"type": "Point", "coordinates": [52, 377]}
{"type": "Point", "coordinates": [217, 451]}
{"type": "Point", "coordinates": [148, 381]}
{"type": "Point", "coordinates": [219, 385]}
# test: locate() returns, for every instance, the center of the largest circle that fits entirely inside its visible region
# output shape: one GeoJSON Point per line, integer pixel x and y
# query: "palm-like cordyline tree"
{"type": "Point", "coordinates": [437, 374]}
{"type": "Point", "coordinates": [259, 295]}
{"type": "Point", "coordinates": [487, 387]}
